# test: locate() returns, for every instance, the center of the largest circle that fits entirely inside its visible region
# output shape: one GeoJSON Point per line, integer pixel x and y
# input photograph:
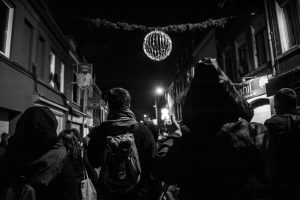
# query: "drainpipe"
{"type": "Point", "coordinates": [270, 39]}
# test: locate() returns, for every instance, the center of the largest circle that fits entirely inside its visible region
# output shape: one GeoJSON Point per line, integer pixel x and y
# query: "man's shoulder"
{"type": "Point", "coordinates": [276, 119]}
{"type": "Point", "coordinates": [98, 130]}
{"type": "Point", "coordinates": [282, 118]}
{"type": "Point", "coordinates": [142, 131]}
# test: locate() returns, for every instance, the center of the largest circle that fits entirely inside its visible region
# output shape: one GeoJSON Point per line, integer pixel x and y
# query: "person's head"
{"type": "Point", "coordinates": [86, 141]}
{"type": "Point", "coordinates": [34, 135]}
{"type": "Point", "coordinates": [77, 133]}
{"type": "Point", "coordinates": [36, 127]}
{"type": "Point", "coordinates": [154, 129]}
{"type": "Point", "coordinates": [212, 99]}
{"type": "Point", "coordinates": [118, 99]}
{"type": "Point", "coordinates": [70, 141]}
{"type": "Point", "coordinates": [285, 101]}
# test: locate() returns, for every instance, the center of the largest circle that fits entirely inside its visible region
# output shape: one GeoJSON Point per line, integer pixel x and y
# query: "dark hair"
{"type": "Point", "coordinates": [70, 141]}
{"type": "Point", "coordinates": [77, 133]}
{"type": "Point", "coordinates": [118, 98]}
{"type": "Point", "coordinates": [286, 98]}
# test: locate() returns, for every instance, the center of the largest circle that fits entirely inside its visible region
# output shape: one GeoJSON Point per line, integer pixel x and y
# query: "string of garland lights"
{"type": "Point", "coordinates": [170, 28]}
{"type": "Point", "coordinates": [157, 43]}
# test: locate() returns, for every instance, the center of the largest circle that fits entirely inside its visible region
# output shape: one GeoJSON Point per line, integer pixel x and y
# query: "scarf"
{"type": "Point", "coordinates": [119, 121]}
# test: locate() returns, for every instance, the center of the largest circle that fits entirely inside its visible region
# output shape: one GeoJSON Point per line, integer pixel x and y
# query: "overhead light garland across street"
{"type": "Point", "coordinates": [157, 44]}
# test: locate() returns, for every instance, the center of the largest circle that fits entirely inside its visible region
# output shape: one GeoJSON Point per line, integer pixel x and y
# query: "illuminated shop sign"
{"type": "Point", "coordinates": [254, 87]}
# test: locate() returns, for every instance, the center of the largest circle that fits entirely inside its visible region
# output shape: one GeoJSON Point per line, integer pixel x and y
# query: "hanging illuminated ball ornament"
{"type": "Point", "coordinates": [157, 45]}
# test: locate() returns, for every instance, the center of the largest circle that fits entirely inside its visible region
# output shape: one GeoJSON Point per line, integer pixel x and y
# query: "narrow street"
{"type": "Point", "coordinates": [159, 100]}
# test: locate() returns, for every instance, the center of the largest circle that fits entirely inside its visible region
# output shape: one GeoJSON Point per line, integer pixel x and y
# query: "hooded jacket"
{"type": "Point", "coordinates": [120, 121]}
{"type": "Point", "coordinates": [35, 155]}
{"type": "Point", "coordinates": [189, 162]}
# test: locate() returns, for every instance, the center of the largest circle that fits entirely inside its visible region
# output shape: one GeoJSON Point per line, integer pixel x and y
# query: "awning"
{"type": "Point", "coordinates": [78, 113]}
{"type": "Point", "coordinates": [286, 80]}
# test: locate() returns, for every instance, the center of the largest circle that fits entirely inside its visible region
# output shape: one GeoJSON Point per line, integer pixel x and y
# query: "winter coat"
{"type": "Point", "coordinates": [190, 161]}
{"type": "Point", "coordinates": [35, 156]}
{"type": "Point", "coordinates": [282, 153]}
{"type": "Point", "coordinates": [67, 186]}
{"type": "Point", "coordinates": [118, 123]}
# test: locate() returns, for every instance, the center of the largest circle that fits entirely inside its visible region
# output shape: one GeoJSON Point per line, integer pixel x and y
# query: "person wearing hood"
{"type": "Point", "coordinates": [121, 120]}
{"type": "Point", "coordinates": [34, 158]}
{"type": "Point", "coordinates": [188, 158]}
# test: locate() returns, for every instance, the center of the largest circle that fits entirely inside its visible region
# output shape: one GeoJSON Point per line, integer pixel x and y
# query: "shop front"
{"type": "Point", "coordinates": [75, 122]}
{"type": "Point", "coordinates": [254, 91]}
{"type": "Point", "coordinates": [80, 121]}
{"type": "Point", "coordinates": [59, 111]}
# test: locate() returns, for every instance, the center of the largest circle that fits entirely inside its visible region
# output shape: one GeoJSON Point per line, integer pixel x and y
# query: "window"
{"type": "Point", "coordinates": [287, 22]}
{"type": "Point", "coordinates": [60, 120]}
{"type": "Point", "coordinates": [6, 20]}
{"type": "Point", "coordinates": [242, 56]}
{"type": "Point", "coordinates": [76, 89]}
{"type": "Point", "coordinates": [26, 45]}
{"type": "Point", "coordinates": [262, 47]}
{"type": "Point", "coordinates": [62, 77]}
{"type": "Point", "coordinates": [243, 62]}
{"type": "Point", "coordinates": [52, 68]}
{"type": "Point", "coordinates": [229, 65]}
{"type": "Point", "coordinates": [41, 46]}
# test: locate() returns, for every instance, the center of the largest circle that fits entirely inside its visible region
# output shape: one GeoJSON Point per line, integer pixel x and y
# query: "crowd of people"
{"type": "Point", "coordinates": [214, 153]}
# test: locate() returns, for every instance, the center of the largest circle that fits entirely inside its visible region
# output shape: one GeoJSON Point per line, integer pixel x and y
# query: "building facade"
{"type": "Point", "coordinates": [38, 66]}
{"type": "Point", "coordinates": [244, 53]}
{"type": "Point", "coordinates": [258, 49]}
{"type": "Point", "coordinates": [284, 23]}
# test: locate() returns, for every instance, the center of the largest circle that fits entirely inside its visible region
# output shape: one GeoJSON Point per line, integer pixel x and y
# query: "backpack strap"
{"type": "Point", "coordinates": [132, 129]}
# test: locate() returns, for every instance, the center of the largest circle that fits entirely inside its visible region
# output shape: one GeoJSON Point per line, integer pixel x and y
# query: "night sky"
{"type": "Point", "coordinates": [117, 56]}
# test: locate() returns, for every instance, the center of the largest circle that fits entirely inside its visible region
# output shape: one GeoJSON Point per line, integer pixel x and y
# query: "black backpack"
{"type": "Point", "coordinates": [121, 169]}
{"type": "Point", "coordinates": [284, 151]}
{"type": "Point", "coordinates": [239, 156]}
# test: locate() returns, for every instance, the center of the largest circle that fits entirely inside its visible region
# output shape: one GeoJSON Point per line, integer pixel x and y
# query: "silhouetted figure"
{"type": "Point", "coordinates": [34, 158]}
{"type": "Point", "coordinates": [67, 185]}
{"type": "Point", "coordinates": [154, 129]}
{"type": "Point", "coordinates": [283, 146]}
{"type": "Point", "coordinates": [193, 162]}
{"type": "Point", "coordinates": [123, 149]}
{"type": "Point", "coordinates": [77, 134]}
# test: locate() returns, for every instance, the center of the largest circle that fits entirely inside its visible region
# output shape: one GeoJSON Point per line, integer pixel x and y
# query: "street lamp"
{"type": "Point", "coordinates": [159, 91]}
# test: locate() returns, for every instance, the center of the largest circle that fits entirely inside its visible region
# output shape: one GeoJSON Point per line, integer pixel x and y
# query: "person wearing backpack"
{"type": "Point", "coordinates": [283, 146]}
{"type": "Point", "coordinates": [124, 150]}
